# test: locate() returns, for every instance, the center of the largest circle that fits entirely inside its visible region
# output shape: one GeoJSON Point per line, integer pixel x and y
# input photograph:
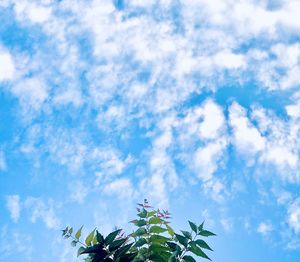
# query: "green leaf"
{"type": "Point", "coordinates": [90, 238]}
{"type": "Point", "coordinates": [140, 223]}
{"type": "Point", "coordinates": [189, 259]}
{"type": "Point", "coordinates": [158, 239]}
{"type": "Point", "coordinates": [182, 240]}
{"type": "Point", "coordinates": [157, 229]}
{"type": "Point", "coordinates": [151, 213]}
{"type": "Point", "coordinates": [202, 244]}
{"type": "Point", "coordinates": [111, 236]}
{"type": "Point", "coordinates": [142, 241]}
{"type": "Point", "coordinates": [71, 230]}
{"type": "Point", "coordinates": [80, 251]}
{"type": "Point", "coordinates": [155, 220]}
{"type": "Point", "coordinates": [123, 250]}
{"type": "Point", "coordinates": [116, 244]}
{"type": "Point", "coordinates": [173, 246]}
{"type": "Point", "coordinates": [206, 233]}
{"type": "Point", "coordinates": [187, 234]}
{"type": "Point", "coordinates": [78, 233]}
{"type": "Point", "coordinates": [74, 243]}
{"type": "Point", "coordinates": [99, 237]}
{"type": "Point", "coordinates": [143, 213]}
{"type": "Point", "coordinates": [200, 228]}
{"type": "Point", "coordinates": [170, 230]}
{"type": "Point", "coordinates": [197, 251]}
{"type": "Point", "coordinates": [193, 227]}
{"type": "Point", "coordinates": [140, 232]}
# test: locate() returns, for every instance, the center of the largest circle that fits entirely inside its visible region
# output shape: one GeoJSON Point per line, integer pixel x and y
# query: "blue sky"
{"type": "Point", "coordinates": [192, 104]}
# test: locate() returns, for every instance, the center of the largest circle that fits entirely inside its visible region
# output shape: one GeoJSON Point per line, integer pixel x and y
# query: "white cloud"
{"type": "Point", "coordinates": [246, 137]}
{"type": "Point", "coordinates": [294, 215]}
{"type": "Point", "coordinates": [32, 92]}
{"type": "Point", "coordinates": [40, 210]}
{"type": "Point", "coordinates": [14, 206]}
{"type": "Point", "coordinates": [7, 67]}
{"type": "Point", "coordinates": [32, 11]}
{"type": "Point", "coordinates": [79, 191]}
{"type": "Point", "coordinates": [265, 228]}
{"type": "Point", "coordinates": [121, 187]}
{"type": "Point", "coordinates": [228, 60]}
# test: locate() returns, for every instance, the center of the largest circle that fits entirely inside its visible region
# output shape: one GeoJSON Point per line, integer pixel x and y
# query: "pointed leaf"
{"type": "Point", "coordinates": [193, 227]}
{"type": "Point", "coordinates": [197, 251]}
{"type": "Point", "coordinates": [78, 233]}
{"type": "Point", "coordinates": [170, 230]}
{"type": "Point", "coordinates": [90, 238]}
{"type": "Point", "coordinates": [203, 244]}
{"type": "Point", "coordinates": [157, 229]}
{"type": "Point", "coordinates": [182, 240]}
{"type": "Point", "coordinates": [111, 236]}
{"type": "Point", "coordinates": [206, 233]}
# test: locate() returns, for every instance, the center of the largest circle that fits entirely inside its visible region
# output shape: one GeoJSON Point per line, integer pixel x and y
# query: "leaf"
{"type": "Point", "coordinates": [74, 243]}
{"type": "Point", "coordinates": [197, 251]}
{"type": "Point", "coordinates": [116, 244]}
{"type": "Point", "coordinates": [80, 251]}
{"type": "Point", "coordinates": [202, 244]}
{"type": "Point", "coordinates": [200, 228]}
{"type": "Point", "coordinates": [158, 239]}
{"type": "Point", "coordinates": [143, 213]}
{"type": "Point", "coordinates": [189, 259]}
{"type": "Point", "coordinates": [111, 236]}
{"type": "Point", "coordinates": [151, 213]}
{"type": "Point", "coordinates": [155, 220]}
{"type": "Point", "coordinates": [99, 237]}
{"type": "Point", "coordinates": [78, 233]}
{"type": "Point", "coordinates": [173, 246]}
{"type": "Point", "coordinates": [170, 230]}
{"type": "Point", "coordinates": [123, 250]}
{"type": "Point", "coordinates": [187, 234]}
{"type": "Point", "coordinates": [140, 223]}
{"type": "Point", "coordinates": [157, 229]}
{"type": "Point", "coordinates": [193, 227]}
{"type": "Point", "coordinates": [90, 238]}
{"type": "Point", "coordinates": [142, 241]}
{"type": "Point", "coordinates": [182, 240]}
{"type": "Point", "coordinates": [206, 233]}
{"type": "Point", "coordinates": [141, 231]}
{"type": "Point", "coordinates": [71, 230]}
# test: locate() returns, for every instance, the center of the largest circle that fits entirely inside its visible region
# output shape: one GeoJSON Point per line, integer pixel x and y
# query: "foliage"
{"type": "Point", "coordinates": [153, 240]}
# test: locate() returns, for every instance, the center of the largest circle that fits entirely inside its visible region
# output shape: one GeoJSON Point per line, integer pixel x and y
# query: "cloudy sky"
{"type": "Point", "coordinates": [193, 104]}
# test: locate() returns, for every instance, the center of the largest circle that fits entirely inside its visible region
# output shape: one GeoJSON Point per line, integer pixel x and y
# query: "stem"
{"type": "Point", "coordinates": [185, 248]}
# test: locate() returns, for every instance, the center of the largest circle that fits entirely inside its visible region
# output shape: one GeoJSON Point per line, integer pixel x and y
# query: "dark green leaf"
{"type": "Point", "coordinates": [187, 234]}
{"type": "Point", "coordinates": [197, 251]}
{"type": "Point", "coordinates": [80, 251]}
{"type": "Point", "coordinates": [189, 259]}
{"type": "Point", "coordinates": [203, 244]}
{"type": "Point", "coordinates": [206, 233]}
{"type": "Point", "coordinates": [140, 242]}
{"type": "Point", "coordinates": [111, 237]}
{"type": "Point", "coordinates": [200, 228]}
{"type": "Point", "coordinates": [116, 244]}
{"type": "Point", "coordinates": [182, 240]}
{"type": "Point", "coordinates": [193, 227]}
{"type": "Point", "coordinates": [99, 237]}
